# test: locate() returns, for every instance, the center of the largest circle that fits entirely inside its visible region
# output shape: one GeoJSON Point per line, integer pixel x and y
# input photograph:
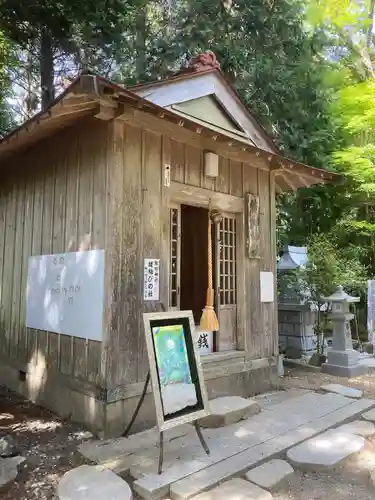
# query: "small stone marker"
{"type": "Point", "coordinates": [235, 489]}
{"type": "Point", "coordinates": [93, 483]}
{"type": "Point", "coordinates": [359, 427]}
{"type": "Point", "coordinates": [271, 474]}
{"type": "Point", "coordinates": [348, 392]}
{"type": "Point", "coordinates": [229, 410]}
{"type": "Point", "coordinates": [325, 451]}
{"type": "Point", "coordinates": [369, 415]}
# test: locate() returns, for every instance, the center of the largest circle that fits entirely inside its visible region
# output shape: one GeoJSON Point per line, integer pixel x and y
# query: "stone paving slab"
{"type": "Point", "coordinates": [229, 410]}
{"type": "Point", "coordinates": [359, 427]}
{"type": "Point", "coordinates": [238, 464]}
{"type": "Point", "coordinates": [271, 398]}
{"type": "Point", "coordinates": [369, 415]}
{"type": "Point", "coordinates": [325, 451]}
{"type": "Point", "coordinates": [271, 474]}
{"type": "Point", "coordinates": [348, 392]}
{"type": "Point", "coordinates": [101, 451]}
{"type": "Point", "coordinates": [235, 489]}
{"type": "Point", "coordinates": [228, 441]}
{"type": "Point", "coordinates": [93, 483]}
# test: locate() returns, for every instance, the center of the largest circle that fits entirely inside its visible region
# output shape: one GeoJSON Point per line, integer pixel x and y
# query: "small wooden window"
{"type": "Point", "coordinates": [173, 274]}
{"type": "Point", "coordinates": [228, 266]}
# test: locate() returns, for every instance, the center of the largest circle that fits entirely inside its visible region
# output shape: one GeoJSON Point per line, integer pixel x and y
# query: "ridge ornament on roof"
{"type": "Point", "coordinates": [201, 62]}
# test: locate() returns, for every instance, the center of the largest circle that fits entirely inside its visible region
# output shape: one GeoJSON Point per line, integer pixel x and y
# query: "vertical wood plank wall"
{"type": "Point", "coordinates": [100, 185]}
{"type": "Point", "coordinates": [52, 200]}
{"type": "Point", "coordinates": [145, 233]}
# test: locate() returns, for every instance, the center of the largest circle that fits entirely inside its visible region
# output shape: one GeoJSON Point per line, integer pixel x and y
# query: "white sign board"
{"type": "Point", "coordinates": [65, 293]}
{"type": "Point", "coordinates": [267, 286]}
{"type": "Point", "coordinates": [371, 310]}
{"type": "Point", "coordinates": [151, 279]}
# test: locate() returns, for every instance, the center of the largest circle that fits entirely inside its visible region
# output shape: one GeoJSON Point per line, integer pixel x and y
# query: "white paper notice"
{"type": "Point", "coordinates": [65, 293]}
{"type": "Point", "coordinates": [151, 279]}
{"type": "Point", "coordinates": [267, 287]}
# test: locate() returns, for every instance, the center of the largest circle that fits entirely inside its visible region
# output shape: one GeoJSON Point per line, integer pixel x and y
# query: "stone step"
{"type": "Point", "coordinates": [359, 427]}
{"type": "Point", "coordinates": [325, 451]}
{"type": "Point", "coordinates": [89, 482]}
{"type": "Point", "coordinates": [238, 464]}
{"type": "Point", "coordinates": [229, 410]}
{"type": "Point", "coordinates": [271, 474]}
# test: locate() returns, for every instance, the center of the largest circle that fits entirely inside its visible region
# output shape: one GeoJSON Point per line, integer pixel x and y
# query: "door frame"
{"type": "Point", "coordinates": [181, 194]}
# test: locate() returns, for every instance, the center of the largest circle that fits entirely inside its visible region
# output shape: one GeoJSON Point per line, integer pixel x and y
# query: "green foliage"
{"type": "Point", "coordinates": [329, 266]}
{"type": "Point", "coordinates": [7, 60]}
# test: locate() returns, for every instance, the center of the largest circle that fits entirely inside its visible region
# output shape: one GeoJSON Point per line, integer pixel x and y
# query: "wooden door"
{"type": "Point", "coordinates": [226, 283]}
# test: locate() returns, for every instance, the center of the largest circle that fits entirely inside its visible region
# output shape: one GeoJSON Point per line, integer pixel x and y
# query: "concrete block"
{"type": "Point", "coordinates": [93, 483]}
{"type": "Point", "coordinates": [343, 390]}
{"type": "Point", "coordinates": [325, 451]}
{"type": "Point", "coordinates": [229, 410]}
{"type": "Point", "coordinates": [359, 427]}
{"type": "Point", "coordinates": [235, 489]}
{"type": "Point", "coordinates": [271, 474]}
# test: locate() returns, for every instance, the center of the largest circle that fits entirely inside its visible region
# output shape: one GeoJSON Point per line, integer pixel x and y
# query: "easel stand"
{"type": "Point", "coordinates": [161, 436]}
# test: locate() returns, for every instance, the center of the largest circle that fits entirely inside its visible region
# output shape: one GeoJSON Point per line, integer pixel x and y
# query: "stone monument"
{"type": "Point", "coordinates": [343, 360]}
{"type": "Point", "coordinates": [295, 314]}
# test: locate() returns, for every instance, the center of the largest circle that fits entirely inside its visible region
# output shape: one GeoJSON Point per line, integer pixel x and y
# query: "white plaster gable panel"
{"type": "Point", "coordinates": [208, 110]}
{"type": "Point", "coordinates": [172, 92]}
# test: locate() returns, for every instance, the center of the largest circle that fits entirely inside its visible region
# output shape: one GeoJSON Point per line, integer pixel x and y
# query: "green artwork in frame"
{"type": "Point", "coordinates": [171, 354]}
{"type": "Point", "coordinates": [176, 373]}
{"type": "Point", "coordinates": [177, 389]}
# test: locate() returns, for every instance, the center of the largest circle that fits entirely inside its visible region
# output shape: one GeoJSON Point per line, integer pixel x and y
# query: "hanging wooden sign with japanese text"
{"type": "Point", "coordinates": [151, 279]}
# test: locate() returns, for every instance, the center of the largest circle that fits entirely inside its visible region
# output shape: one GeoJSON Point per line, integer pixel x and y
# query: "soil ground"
{"type": "Point", "coordinates": [49, 446]}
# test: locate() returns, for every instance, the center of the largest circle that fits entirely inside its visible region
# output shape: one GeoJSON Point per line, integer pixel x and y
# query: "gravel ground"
{"type": "Point", "coordinates": [303, 379]}
{"type": "Point", "coordinates": [347, 482]}
{"type": "Point", "coordinates": [48, 444]}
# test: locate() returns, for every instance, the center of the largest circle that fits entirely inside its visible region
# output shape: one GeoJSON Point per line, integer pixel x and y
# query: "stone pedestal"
{"type": "Point", "coordinates": [296, 329]}
{"type": "Point", "coordinates": [342, 359]}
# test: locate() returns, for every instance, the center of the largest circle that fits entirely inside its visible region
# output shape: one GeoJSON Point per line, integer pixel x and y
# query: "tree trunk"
{"type": "Point", "coordinates": [140, 42]}
{"type": "Point", "coordinates": [46, 70]}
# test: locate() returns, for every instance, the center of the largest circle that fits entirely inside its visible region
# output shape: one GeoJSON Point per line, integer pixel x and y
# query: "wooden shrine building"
{"type": "Point", "coordinates": [132, 171]}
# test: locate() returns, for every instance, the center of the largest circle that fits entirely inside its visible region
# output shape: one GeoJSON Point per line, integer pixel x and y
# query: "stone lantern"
{"type": "Point", "coordinates": [342, 360]}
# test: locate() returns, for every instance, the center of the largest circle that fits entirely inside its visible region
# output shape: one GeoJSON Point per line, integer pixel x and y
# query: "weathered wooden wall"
{"type": "Point", "coordinates": [142, 230]}
{"type": "Point", "coordinates": [99, 185]}
{"type": "Point", "coordinates": [53, 199]}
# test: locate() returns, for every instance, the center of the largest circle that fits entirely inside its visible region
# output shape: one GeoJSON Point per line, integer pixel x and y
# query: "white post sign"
{"type": "Point", "coordinates": [151, 279]}
{"type": "Point", "coordinates": [371, 310]}
{"type": "Point", "coordinates": [205, 342]}
{"type": "Point", "coordinates": [267, 292]}
{"type": "Point", "coordinates": [65, 293]}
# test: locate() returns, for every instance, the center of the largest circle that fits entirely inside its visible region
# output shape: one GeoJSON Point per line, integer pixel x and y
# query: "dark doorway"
{"type": "Point", "coordinates": [194, 259]}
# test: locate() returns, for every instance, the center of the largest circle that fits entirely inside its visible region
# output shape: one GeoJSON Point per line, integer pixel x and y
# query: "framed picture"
{"type": "Point", "coordinates": [176, 373]}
